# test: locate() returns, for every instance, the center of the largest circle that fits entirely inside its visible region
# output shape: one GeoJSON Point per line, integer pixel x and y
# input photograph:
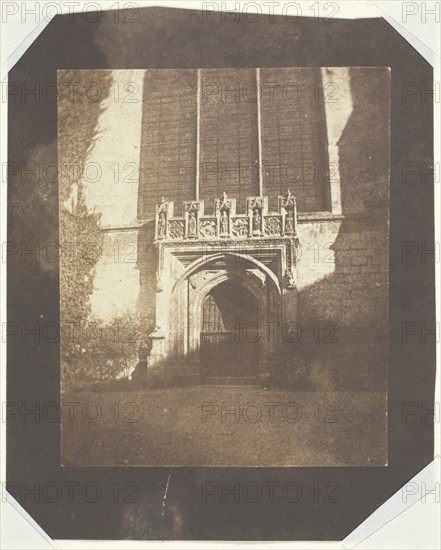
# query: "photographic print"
{"type": "Point", "coordinates": [224, 266]}
{"type": "Point", "coordinates": [220, 259]}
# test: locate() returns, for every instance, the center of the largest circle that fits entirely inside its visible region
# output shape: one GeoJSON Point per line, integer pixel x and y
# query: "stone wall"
{"type": "Point", "coordinates": [343, 268]}
{"type": "Point", "coordinates": [343, 272]}
{"type": "Point", "coordinates": [342, 302]}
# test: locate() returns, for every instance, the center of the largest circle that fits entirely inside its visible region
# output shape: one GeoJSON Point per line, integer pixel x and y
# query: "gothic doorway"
{"type": "Point", "coordinates": [230, 336]}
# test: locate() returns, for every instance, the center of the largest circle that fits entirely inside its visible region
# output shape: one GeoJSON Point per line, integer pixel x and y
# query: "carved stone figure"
{"type": "Point", "coordinates": [256, 221]}
{"type": "Point", "coordinates": [289, 226]}
{"type": "Point", "coordinates": [224, 223]}
{"type": "Point", "coordinates": [192, 225]}
{"type": "Point", "coordinates": [161, 226]}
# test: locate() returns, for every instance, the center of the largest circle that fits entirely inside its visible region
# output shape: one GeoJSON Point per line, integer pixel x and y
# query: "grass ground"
{"type": "Point", "coordinates": [223, 426]}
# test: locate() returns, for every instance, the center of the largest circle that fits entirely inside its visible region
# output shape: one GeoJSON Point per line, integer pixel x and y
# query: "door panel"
{"type": "Point", "coordinates": [229, 339]}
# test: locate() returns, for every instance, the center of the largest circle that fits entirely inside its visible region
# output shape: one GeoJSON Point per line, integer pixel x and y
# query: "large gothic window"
{"type": "Point", "coordinates": [233, 130]}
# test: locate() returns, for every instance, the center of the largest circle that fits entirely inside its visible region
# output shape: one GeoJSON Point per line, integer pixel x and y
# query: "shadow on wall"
{"type": "Point", "coordinates": [353, 352]}
{"type": "Point", "coordinates": [147, 262]}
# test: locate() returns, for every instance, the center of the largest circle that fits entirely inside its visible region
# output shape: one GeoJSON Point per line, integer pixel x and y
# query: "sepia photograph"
{"type": "Point", "coordinates": [220, 262]}
{"type": "Point", "coordinates": [224, 266]}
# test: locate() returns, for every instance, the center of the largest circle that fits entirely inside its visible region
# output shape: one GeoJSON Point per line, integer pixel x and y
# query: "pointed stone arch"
{"type": "Point", "coordinates": [197, 281]}
{"type": "Point", "coordinates": [204, 260]}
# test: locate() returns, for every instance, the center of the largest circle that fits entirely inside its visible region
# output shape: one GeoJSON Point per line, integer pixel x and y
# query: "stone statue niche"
{"type": "Point", "coordinates": [192, 224]}
{"type": "Point", "coordinates": [289, 222]}
{"type": "Point", "coordinates": [161, 225]}
{"type": "Point", "coordinates": [224, 222]}
{"type": "Point", "coordinates": [257, 221]}
{"type": "Point", "coordinates": [162, 211]}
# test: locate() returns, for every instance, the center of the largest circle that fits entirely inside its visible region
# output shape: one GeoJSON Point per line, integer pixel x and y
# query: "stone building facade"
{"type": "Point", "coordinates": [252, 237]}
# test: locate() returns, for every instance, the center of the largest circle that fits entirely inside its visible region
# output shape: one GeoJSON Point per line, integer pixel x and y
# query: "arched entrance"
{"type": "Point", "coordinates": [219, 312]}
{"type": "Point", "coordinates": [230, 337]}
{"type": "Point", "coordinates": [247, 261]}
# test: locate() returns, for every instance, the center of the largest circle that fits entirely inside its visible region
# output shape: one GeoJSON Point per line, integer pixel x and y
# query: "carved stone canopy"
{"type": "Point", "coordinates": [257, 222]}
